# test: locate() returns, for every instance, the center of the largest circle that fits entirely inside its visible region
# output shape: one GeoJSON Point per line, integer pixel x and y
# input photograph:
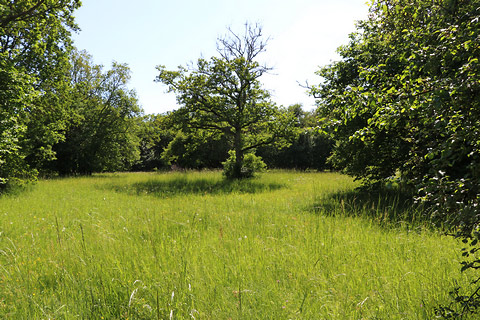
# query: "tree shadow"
{"type": "Point", "coordinates": [184, 185]}
{"type": "Point", "coordinates": [386, 206]}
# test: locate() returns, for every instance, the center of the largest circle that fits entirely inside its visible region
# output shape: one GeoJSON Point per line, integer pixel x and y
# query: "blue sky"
{"type": "Point", "coordinates": [304, 34]}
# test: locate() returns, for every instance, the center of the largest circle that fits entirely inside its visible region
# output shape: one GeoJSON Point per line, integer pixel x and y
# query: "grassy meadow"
{"type": "Point", "coordinates": [285, 245]}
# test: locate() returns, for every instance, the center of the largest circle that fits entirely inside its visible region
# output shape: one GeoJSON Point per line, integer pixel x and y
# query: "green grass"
{"type": "Point", "coordinates": [286, 245]}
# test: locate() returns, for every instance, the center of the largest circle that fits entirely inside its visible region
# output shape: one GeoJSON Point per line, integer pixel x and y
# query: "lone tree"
{"type": "Point", "coordinates": [223, 94]}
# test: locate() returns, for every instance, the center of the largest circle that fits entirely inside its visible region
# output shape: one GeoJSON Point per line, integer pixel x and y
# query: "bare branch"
{"type": "Point", "coordinates": [248, 46]}
{"type": "Point", "coordinates": [310, 88]}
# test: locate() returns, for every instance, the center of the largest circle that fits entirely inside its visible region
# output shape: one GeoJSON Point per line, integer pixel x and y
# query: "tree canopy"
{"type": "Point", "coordinates": [34, 47]}
{"type": "Point", "coordinates": [102, 132]}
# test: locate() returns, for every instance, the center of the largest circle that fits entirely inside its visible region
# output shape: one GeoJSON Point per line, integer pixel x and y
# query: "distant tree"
{"type": "Point", "coordinates": [202, 149]}
{"type": "Point", "coordinates": [102, 131]}
{"type": "Point", "coordinates": [310, 149]}
{"type": "Point", "coordinates": [164, 143]}
{"type": "Point", "coordinates": [155, 133]}
{"type": "Point", "coordinates": [34, 47]}
{"type": "Point", "coordinates": [224, 94]}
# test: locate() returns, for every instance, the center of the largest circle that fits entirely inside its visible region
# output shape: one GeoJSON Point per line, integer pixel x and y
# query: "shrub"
{"type": "Point", "coordinates": [251, 164]}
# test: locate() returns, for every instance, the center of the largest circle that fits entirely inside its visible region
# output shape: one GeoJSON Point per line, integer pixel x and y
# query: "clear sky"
{"type": "Point", "coordinates": [304, 34]}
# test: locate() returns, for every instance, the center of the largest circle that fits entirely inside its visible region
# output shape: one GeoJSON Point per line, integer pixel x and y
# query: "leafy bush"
{"type": "Point", "coordinates": [250, 164]}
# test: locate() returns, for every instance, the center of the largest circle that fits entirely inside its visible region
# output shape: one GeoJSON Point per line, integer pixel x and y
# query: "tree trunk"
{"type": "Point", "coordinates": [238, 146]}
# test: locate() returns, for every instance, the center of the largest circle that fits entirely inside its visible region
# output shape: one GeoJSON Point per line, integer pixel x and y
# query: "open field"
{"type": "Point", "coordinates": [192, 246]}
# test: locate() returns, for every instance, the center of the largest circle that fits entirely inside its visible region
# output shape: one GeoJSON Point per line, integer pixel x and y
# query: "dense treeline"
{"type": "Point", "coordinates": [165, 142]}
{"type": "Point", "coordinates": [309, 149]}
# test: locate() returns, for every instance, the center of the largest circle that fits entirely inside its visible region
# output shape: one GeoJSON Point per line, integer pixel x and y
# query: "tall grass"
{"type": "Point", "coordinates": [286, 245]}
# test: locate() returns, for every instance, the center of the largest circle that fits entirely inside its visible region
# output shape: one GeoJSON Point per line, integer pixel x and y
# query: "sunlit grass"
{"type": "Point", "coordinates": [190, 245]}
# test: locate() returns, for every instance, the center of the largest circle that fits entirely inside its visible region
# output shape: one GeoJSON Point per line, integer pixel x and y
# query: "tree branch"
{"type": "Point", "coordinates": [261, 143]}
{"type": "Point", "coordinates": [27, 14]}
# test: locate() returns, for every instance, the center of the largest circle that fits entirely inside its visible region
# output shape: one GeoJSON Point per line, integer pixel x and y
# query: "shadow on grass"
{"type": "Point", "coordinates": [389, 207]}
{"type": "Point", "coordinates": [183, 185]}
{"type": "Point", "coordinates": [16, 190]}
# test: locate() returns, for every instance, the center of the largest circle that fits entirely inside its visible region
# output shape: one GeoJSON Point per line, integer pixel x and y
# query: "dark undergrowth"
{"type": "Point", "coordinates": [386, 206]}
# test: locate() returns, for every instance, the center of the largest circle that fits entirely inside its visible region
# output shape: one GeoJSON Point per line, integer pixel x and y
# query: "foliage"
{"type": "Point", "coordinates": [198, 150]}
{"type": "Point", "coordinates": [155, 133]}
{"type": "Point", "coordinates": [224, 95]}
{"type": "Point", "coordinates": [166, 141]}
{"type": "Point", "coordinates": [101, 135]}
{"type": "Point", "coordinates": [250, 165]}
{"type": "Point", "coordinates": [47, 121]}
{"type": "Point", "coordinates": [34, 47]}
{"type": "Point", "coordinates": [14, 88]}
{"type": "Point", "coordinates": [56, 105]}
{"type": "Point", "coordinates": [310, 148]}
{"type": "Point", "coordinates": [403, 102]}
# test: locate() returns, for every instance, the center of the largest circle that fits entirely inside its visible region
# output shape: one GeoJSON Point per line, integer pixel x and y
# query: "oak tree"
{"type": "Point", "coordinates": [224, 94]}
